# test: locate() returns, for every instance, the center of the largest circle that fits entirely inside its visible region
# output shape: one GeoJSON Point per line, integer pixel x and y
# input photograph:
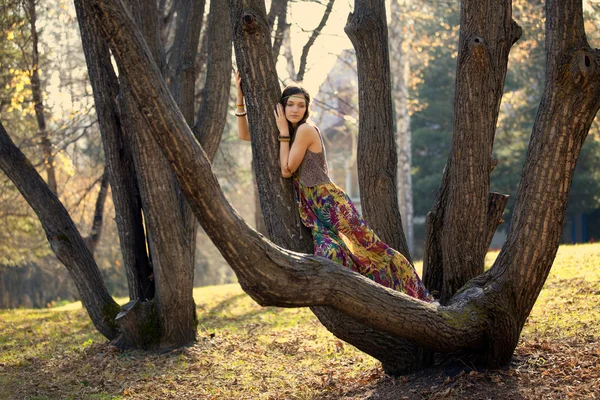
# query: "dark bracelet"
{"type": "Point", "coordinates": [283, 138]}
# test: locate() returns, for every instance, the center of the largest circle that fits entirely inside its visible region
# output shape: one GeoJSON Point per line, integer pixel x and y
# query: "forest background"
{"type": "Point", "coordinates": [46, 103]}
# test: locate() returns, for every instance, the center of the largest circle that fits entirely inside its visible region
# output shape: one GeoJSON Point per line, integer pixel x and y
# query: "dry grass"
{"type": "Point", "coordinates": [248, 352]}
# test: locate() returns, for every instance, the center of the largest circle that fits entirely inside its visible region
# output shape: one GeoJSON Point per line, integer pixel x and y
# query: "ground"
{"type": "Point", "coordinates": [244, 351]}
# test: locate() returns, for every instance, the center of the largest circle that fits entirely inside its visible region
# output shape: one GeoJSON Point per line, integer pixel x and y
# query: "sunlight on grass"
{"type": "Point", "coordinates": [243, 350]}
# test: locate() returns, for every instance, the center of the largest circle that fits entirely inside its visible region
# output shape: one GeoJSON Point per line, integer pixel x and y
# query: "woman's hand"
{"type": "Point", "coordinates": [282, 122]}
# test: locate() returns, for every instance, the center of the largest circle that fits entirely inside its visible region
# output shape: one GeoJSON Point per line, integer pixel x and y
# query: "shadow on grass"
{"type": "Point", "coordinates": [224, 315]}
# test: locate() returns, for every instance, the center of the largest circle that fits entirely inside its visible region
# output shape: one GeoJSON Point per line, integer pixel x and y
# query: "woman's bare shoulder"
{"type": "Point", "coordinates": [307, 129]}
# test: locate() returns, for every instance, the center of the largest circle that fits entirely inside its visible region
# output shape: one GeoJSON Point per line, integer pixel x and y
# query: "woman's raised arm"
{"type": "Point", "coordinates": [241, 114]}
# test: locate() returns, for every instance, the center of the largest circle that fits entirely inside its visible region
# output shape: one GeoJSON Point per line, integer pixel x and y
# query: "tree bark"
{"type": "Point", "coordinates": [182, 57]}
{"type": "Point", "coordinates": [64, 238]}
{"type": "Point", "coordinates": [270, 274]}
{"type": "Point", "coordinates": [252, 41]}
{"type": "Point", "coordinates": [119, 160]}
{"type": "Point", "coordinates": [460, 213]}
{"type": "Point", "coordinates": [213, 112]}
{"type": "Point", "coordinates": [483, 318]}
{"type": "Point", "coordinates": [377, 159]}
{"type": "Point", "coordinates": [570, 101]}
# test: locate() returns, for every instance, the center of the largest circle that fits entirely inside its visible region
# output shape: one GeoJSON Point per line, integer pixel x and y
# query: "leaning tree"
{"type": "Point", "coordinates": [482, 313]}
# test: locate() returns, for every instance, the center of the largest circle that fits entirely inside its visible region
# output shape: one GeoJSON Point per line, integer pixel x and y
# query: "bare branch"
{"type": "Point", "coordinates": [311, 41]}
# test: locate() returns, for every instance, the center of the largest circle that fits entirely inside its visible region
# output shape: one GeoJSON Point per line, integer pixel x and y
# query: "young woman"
{"type": "Point", "coordinates": [339, 233]}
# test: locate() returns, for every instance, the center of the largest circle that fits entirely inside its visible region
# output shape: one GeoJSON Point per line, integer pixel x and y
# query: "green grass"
{"type": "Point", "coordinates": [245, 351]}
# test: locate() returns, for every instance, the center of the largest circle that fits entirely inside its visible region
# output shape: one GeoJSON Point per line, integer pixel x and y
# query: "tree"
{"type": "Point", "coordinates": [156, 228]}
{"type": "Point", "coordinates": [50, 134]}
{"type": "Point", "coordinates": [481, 318]}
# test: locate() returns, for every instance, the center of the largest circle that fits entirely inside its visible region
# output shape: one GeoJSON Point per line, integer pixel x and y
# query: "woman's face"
{"type": "Point", "coordinates": [295, 108]}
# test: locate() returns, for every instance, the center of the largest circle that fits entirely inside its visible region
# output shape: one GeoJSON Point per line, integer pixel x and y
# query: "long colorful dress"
{"type": "Point", "coordinates": [340, 234]}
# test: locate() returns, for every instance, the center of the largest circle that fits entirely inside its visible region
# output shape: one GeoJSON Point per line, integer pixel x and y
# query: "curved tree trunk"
{"type": "Point", "coordinates": [485, 317]}
{"type": "Point", "coordinates": [64, 238]}
{"type": "Point", "coordinates": [251, 55]}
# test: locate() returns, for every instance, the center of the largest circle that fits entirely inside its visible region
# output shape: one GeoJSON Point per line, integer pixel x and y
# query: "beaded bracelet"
{"type": "Point", "coordinates": [237, 114]}
{"type": "Point", "coordinates": [284, 138]}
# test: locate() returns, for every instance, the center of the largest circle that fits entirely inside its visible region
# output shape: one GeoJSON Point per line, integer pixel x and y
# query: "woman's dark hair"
{"type": "Point", "coordinates": [291, 90]}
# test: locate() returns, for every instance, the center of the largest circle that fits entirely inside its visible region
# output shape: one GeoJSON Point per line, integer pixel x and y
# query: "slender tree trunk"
{"type": "Point", "coordinates": [377, 159]}
{"type": "Point", "coordinates": [38, 101]}
{"type": "Point", "coordinates": [459, 216]}
{"type": "Point", "coordinates": [401, 38]}
{"type": "Point", "coordinates": [119, 161]}
{"type": "Point", "coordinates": [64, 238]}
{"type": "Point", "coordinates": [213, 111]}
{"type": "Point", "coordinates": [96, 231]}
{"type": "Point", "coordinates": [182, 57]}
{"type": "Point", "coordinates": [278, 11]}
{"type": "Point", "coordinates": [314, 35]}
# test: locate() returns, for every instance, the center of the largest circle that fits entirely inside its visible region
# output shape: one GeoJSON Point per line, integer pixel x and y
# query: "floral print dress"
{"type": "Point", "coordinates": [341, 235]}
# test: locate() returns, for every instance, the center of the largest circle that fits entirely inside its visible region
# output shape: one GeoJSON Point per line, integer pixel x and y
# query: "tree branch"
{"type": "Point", "coordinates": [315, 34]}
{"type": "Point", "coordinates": [212, 115]}
{"type": "Point", "coordinates": [96, 231]}
{"type": "Point", "coordinates": [182, 55]}
{"type": "Point", "coordinates": [64, 238]}
{"type": "Point", "coordinates": [279, 11]}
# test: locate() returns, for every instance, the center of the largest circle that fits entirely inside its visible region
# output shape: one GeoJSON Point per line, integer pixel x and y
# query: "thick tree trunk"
{"type": "Point", "coordinates": [254, 59]}
{"type": "Point", "coordinates": [459, 217]}
{"type": "Point", "coordinates": [569, 104]}
{"type": "Point", "coordinates": [482, 319]}
{"type": "Point", "coordinates": [252, 42]}
{"type": "Point", "coordinates": [64, 238]}
{"type": "Point", "coordinates": [377, 159]}
{"type": "Point", "coordinates": [401, 38]}
{"type": "Point", "coordinates": [119, 161]}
